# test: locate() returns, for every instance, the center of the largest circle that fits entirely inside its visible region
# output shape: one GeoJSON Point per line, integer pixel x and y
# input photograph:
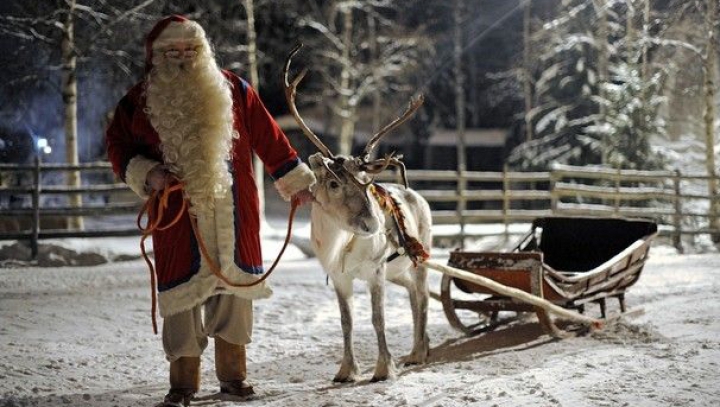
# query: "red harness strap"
{"type": "Point", "coordinates": [413, 247]}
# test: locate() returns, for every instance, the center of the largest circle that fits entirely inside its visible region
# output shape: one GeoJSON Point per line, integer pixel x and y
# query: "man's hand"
{"type": "Point", "coordinates": [158, 178]}
{"type": "Point", "coordinates": [303, 197]}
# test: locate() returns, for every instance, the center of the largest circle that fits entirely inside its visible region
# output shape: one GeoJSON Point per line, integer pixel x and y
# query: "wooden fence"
{"type": "Point", "coordinates": [47, 214]}
{"type": "Point", "coordinates": [677, 202]}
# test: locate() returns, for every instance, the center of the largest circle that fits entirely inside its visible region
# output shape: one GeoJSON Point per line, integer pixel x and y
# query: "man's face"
{"type": "Point", "coordinates": [180, 53]}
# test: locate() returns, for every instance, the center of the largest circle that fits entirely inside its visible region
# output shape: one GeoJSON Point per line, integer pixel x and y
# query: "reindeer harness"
{"type": "Point", "coordinates": [407, 245]}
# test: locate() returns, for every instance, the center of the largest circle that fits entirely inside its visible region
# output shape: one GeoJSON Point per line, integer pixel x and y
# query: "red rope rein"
{"type": "Point", "coordinates": [155, 207]}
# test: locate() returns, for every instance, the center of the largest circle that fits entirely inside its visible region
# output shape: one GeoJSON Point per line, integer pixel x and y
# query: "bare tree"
{"type": "Point", "coordinates": [692, 37]}
{"type": "Point", "coordinates": [460, 102]}
{"type": "Point", "coordinates": [362, 51]}
{"type": "Point", "coordinates": [526, 74]}
{"type": "Point", "coordinates": [69, 96]}
{"type": "Point", "coordinates": [602, 46]}
{"type": "Point", "coordinates": [252, 58]}
{"type": "Point", "coordinates": [710, 70]}
{"type": "Point", "coordinates": [53, 26]}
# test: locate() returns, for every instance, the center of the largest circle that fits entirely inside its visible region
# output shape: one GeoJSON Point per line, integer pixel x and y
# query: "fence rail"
{"type": "Point", "coordinates": [676, 201]}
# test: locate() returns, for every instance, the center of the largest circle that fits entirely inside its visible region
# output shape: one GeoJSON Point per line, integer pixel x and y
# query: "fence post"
{"type": "Point", "coordinates": [553, 194]}
{"type": "Point", "coordinates": [677, 219]}
{"type": "Point", "coordinates": [506, 200]}
{"type": "Point", "coordinates": [462, 204]}
{"type": "Point", "coordinates": [36, 208]}
{"type": "Point", "coordinates": [616, 202]}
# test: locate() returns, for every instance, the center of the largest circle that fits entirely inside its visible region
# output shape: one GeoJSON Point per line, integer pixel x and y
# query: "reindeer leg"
{"type": "Point", "coordinates": [385, 367]}
{"type": "Point", "coordinates": [421, 343]}
{"type": "Point", "coordinates": [417, 289]}
{"type": "Point", "coordinates": [349, 368]}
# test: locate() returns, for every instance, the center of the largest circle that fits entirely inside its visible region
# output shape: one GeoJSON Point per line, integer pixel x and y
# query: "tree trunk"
{"type": "Point", "coordinates": [347, 118]}
{"type": "Point", "coordinates": [474, 106]}
{"type": "Point", "coordinates": [258, 166]}
{"type": "Point", "coordinates": [603, 51]}
{"type": "Point", "coordinates": [630, 34]}
{"type": "Point", "coordinates": [376, 96]}
{"type": "Point", "coordinates": [527, 82]}
{"type": "Point", "coordinates": [602, 65]}
{"type": "Point", "coordinates": [460, 112]}
{"type": "Point", "coordinates": [646, 36]}
{"type": "Point", "coordinates": [709, 115]}
{"type": "Point", "coordinates": [69, 95]}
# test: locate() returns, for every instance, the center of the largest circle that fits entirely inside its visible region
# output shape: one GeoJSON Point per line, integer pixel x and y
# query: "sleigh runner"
{"type": "Point", "coordinates": [568, 261]}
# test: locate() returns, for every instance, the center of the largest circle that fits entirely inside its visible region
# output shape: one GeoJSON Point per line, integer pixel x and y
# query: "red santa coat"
{"type": "Point", "coordinates": [184, 278]}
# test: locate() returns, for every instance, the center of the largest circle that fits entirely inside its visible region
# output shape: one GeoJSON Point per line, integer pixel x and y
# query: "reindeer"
{"type": "Point", "coordinates": [368, 231]}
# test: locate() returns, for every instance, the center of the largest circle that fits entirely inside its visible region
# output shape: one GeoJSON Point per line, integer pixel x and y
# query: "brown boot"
{"type": "Point", "coordinates": [184, 382]}
{"type": "Point", "coordinates": [231, 369]}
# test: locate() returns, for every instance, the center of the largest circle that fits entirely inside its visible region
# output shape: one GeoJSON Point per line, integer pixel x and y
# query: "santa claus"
{"type": "Point", "coordinates": [190, 122]}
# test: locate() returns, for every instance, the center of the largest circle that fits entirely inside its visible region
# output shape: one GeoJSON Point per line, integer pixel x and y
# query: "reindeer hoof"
{"type": "Point", "coordinates": [384, 372]}
{"type": "Point", "coordinates": [347, 375]}
{"type": "Point", "coordinates": [344, 379]}
{"type": "Point", "coordinates": [415, 359]}
{"type": "Point", "coordinates": [413, 362]}
{"type": "Point", "coordinates": [382, 378]}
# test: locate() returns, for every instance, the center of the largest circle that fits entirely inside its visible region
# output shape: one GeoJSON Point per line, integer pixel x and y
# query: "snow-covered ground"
{"type": "Point", "coordinates": [81, 336]}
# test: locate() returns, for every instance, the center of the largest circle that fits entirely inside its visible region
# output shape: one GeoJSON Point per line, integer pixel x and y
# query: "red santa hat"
{"type": "Point", "coordinates": [171, 28]}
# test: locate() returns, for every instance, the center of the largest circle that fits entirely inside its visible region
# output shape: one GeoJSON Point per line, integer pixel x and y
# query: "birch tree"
{"type": "Point", "coordinates": [254, 77]}
{"type": "Point", "coordinates": [710, 71]}
{"type": "Point", "coordinates": [526, 72]}
{"type": "Point", "coordinates": [691, 42]}
{"type": "Point", "coordinates": [69, 96]}
{"type": "Point", "coordinates": [49, 27]}
{"type": "Point", "coordinates": [460, 102]}
{"type": "Point", "coordinates": [24, 26]}
{"type": "Point", "coordinates": [361, 51]}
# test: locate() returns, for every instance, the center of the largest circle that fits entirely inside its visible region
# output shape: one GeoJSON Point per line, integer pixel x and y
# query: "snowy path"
{"type": "Point", "coordinates": [82, 337]}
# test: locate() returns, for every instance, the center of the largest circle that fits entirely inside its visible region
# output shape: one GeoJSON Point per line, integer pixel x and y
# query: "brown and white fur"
{"type": "Point", "coordinates": [353, 238]}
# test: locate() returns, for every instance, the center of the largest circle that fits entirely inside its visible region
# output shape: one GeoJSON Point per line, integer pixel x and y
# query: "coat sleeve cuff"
{"type": "Point", "coordinates": [136, 174]}
{"type": "Point", "coordinates": [296, 180]}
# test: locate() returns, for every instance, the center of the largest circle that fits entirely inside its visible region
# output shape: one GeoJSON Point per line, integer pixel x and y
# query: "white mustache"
{"type": "Point", "coordinates": [171, 71]}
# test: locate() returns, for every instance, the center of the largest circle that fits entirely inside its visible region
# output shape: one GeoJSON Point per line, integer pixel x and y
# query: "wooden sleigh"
{"type": "Point", "coordinates": [569, 261]}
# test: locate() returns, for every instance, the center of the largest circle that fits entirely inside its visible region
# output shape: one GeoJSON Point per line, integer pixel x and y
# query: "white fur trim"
{"type": "Point", "coordinates": [136, 174]}
{"type": "Point", "coordinates": [224, 228]}
{"type": "Point", "coordinates": [203, 286]}
{"type": "Point", "coordinates": [179, 31]}
{"type": "Point", "coordinates": [218, 233]}
{"type": "Point", "coordinates": [299, 178]}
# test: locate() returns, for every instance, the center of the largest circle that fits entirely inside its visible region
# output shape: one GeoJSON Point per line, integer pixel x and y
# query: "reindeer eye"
{"type": "Point", "coordinates": [333, 184]}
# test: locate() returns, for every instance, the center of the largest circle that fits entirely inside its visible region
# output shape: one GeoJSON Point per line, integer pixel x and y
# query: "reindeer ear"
{"type": "Point", "coordinates": [353, 165]}
{"type": "Point", "coordinates": [316, 161]}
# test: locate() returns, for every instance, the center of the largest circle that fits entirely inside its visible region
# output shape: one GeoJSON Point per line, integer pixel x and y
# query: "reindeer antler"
{"type": "Point", "coordinates": [413, 106]}
{"type": "Point", "coordinates": [370, 167]}
{"type": "Point", "coordinates": [290, 90]}
{"type": "Point", "coordinates": [380, 165]}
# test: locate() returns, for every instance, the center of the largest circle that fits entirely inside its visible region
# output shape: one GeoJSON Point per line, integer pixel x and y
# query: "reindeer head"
{"type": "Point", "coordinates": [341, 192]}
{"type": "Point", "coordinates": [343, 181]}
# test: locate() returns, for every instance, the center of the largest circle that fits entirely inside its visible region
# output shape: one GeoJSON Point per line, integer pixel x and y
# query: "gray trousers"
{"type": "Point", "coordinates": [227, 316]}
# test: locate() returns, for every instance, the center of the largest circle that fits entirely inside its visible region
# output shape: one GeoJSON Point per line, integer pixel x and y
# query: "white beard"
{"type": "Point", "coordinates": [189, 104]}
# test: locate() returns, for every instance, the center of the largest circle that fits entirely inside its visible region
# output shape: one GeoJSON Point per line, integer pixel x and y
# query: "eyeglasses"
{"type": "Point", "coordinates": [177, 53]}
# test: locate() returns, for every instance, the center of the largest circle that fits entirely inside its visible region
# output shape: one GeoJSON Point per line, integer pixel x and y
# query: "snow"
{"type": "Point", "coordinates": [81, 336]}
